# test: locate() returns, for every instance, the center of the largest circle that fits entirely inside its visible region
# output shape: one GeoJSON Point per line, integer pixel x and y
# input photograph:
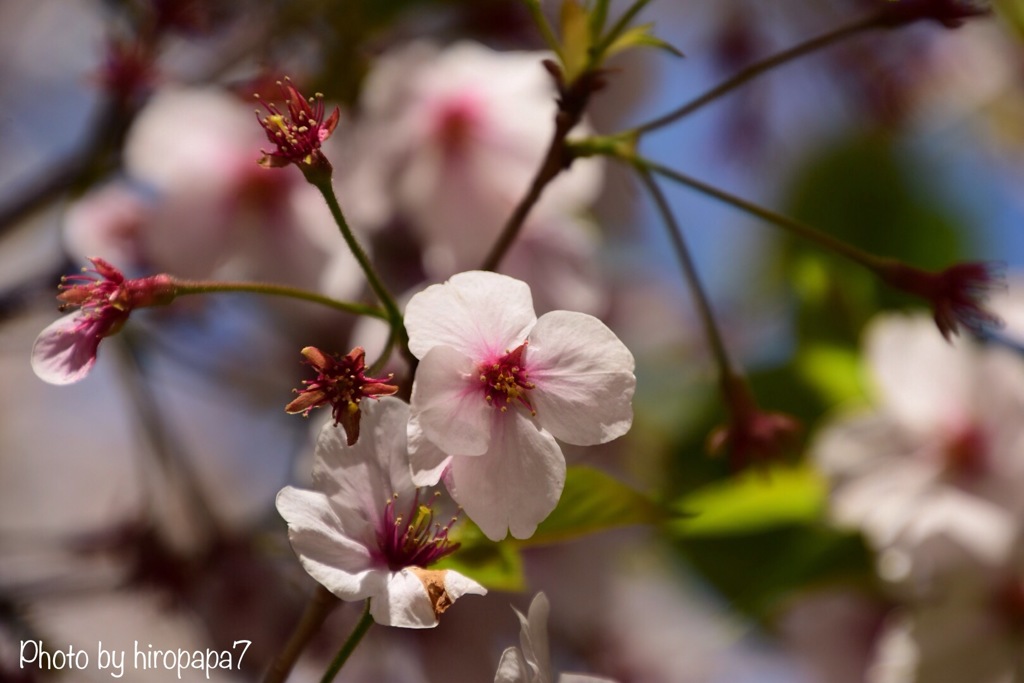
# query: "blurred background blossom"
{"type": "Point", "coordinates": [137, 505]}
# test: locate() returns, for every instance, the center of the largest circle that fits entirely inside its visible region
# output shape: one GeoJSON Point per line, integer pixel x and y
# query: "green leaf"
{"type": "Point", "coordinates": [1012, 12]}
{"type": "Point", "coordinates": [756, 571]}
{"type": "Point", "coordinates": [753, 501]}
{"type": "Point", "coordinates": [575, 39]}
{"type": "Point", "coordinates": [833, 371]}
{"type": "Point", "coordinates": [497, 566]}
{"type": "Point", "coordinates": [598, 17]}
{"type": "Point", "coordinates": [640, 36]}
{"type": "Point", "coordinates": [878, 196]}
{"type": "Point", "coordinates": [593, 501]}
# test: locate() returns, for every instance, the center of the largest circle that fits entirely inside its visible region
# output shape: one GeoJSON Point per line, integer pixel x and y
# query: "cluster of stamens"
{"type": "Point", "coordinates": [94, 288]}
{"type": "Point", "coordinates": [506, 381]}
{"type": "Point", "coordinates": [105, 297]}
{"type": "Point", "coordinates": [414, 539]}
{"type": "Point", "coordinates": [299, 133]}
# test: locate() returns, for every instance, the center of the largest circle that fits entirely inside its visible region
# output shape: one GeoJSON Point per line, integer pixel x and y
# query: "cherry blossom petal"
{"type": "Point", "coordinates": [584, 378]}
{"type": "Point", "coordinates": [201, 153]}
{"type": "Point", "coordinates": [904, 505]}
{"type": "Point", "coordinates": [947, 642]}
{"type": "Point", "coordinates": [448, 403]}
{"type": "Point", "coordinates": [406, 601]}
{"type": "Point", "coordinates": [427, 461]}
{"type": "Point", "coordinates": [65, 351]}
{"type": "Point", "coordinates": [533, 633]}
{"type": "Point", "coordinates": [858, 445]}
{"type": "Point", "coordinates": [481, 314]}
{"type": "Point", "coordinates": [358, 479]}
{"type": "Point", "coordinates": [339, 563]}
{"type": "Point", "coordinates": [515, 484]}
{"type": "Point", "coordinates": [532, 664]}
{"type": "Point", "coordinates": [556, 255]}
{"type": "Point", "coordinates": [922, 378]}
{"type": "Point", "coordinates": [353, 534]}
{"type": "Point", "coordinates": [978, 526]}
{"type": "Point", "coordinates": [512, 668]}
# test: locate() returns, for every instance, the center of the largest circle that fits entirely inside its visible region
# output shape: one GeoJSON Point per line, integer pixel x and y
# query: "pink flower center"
{"type": "Point", "coordinates": [412, 538]}
{"type": "Point", "coordinates": [966, 451]}
{"type": "Point", "coordinates": [455, 122]}
{"type": "Point", "coordinates": [254, 187]}
{"type": "Point", "coordinates": [505, 381]}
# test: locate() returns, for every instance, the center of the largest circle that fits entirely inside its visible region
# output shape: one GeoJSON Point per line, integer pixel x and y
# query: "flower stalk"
{"type": "Point", "coordinates": [892, 14]}
{"type": "Point", "coordinates": [385, 298]}
{"type": "Point", "coordinates": [750, 434]}
{"type": "Point", "coordinates": [365, 621]}
{"type": "Point", "coordinates": [187, 287]}
{"type": "Point", "coordinates": [573, 99]}
{"type": "Point", "coordinates": [99, 301]}
{"type": "Point", "coordinates": [298, 136]}
{"type": "Point", "coordinates": [802, 230]}
{"type": "Point", "coordinates": [725, 365]}
{"type": "Point", "coordinates": [956, 294]}
{"type": "Point", "coordinates": [320, 606]}
{"type": "Point", "coordinates": [754, 70]}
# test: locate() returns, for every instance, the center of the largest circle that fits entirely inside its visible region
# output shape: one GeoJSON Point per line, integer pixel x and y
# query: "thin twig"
{"type": "Point", "coordinates": [320, 605]}
{"type": "Point", "coordinates": [758, 68]}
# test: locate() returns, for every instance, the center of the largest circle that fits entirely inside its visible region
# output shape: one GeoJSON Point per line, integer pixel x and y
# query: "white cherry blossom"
{"type": "Point", "coordinates": [965, 627]}
{"type": "Point", "coordinates": [496, 386]}
{"type": "Point", "coordinates": [531, 663]}
{"type": "Point", "coordinates": [196, 204]}
{"type": "Point", "coordinates": [448, 142]}
{"type": "Point", "coordinates": [937, 457]}
{"type": "Point", "coordinates": [365, 532]}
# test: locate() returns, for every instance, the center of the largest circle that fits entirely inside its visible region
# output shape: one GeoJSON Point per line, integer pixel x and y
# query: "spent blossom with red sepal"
{"type": "Point", "coordinates": [957, 294]}
{"type": "Point", "coordinates": [751, 436]}
{"type": "Point", "coordinates": [66, 350]}
{"type": "Point", "coordinates": [342, 383]}
{"type": "Point", "coordinates": [298, 134]}
{"type": "Point", "coordinates": [949, 13]}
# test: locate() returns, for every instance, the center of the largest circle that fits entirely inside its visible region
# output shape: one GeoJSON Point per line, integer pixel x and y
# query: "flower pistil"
{"type": "Point", "coordinates": [506, 381]}
{"type": "Point", "coordinates": [413, 539]}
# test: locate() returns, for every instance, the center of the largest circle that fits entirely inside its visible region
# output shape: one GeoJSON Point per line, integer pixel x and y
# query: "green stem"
{"type": "Point", "coordinates": [571, 104]}
{"type": "Point", "coordinates": [319, 608]}
{"type": "Point", "coordinates": [618, 28]}
{"type": "Point", "coordinates": [754, 70]}
{"type": "Point", "coordinates": [544, 27]}
{"type": "Point", "coordinates": [394, 316]}
{"type": "Point", "coordinates": [350, 645]}
{"type": "Point", "coordinates": [186, 287]}
{"type": "Point", "coordinates": [550, 167]}
{"type": "Point", "coordinates": [379, 364]}
{"type": "Point", "coordinates": [822, 239]}
{"type": "Point", "coordinates": [726, 368]}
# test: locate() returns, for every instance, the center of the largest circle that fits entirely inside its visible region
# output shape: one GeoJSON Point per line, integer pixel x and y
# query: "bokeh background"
{"type": "Point", "coordinates": [137, 505]}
